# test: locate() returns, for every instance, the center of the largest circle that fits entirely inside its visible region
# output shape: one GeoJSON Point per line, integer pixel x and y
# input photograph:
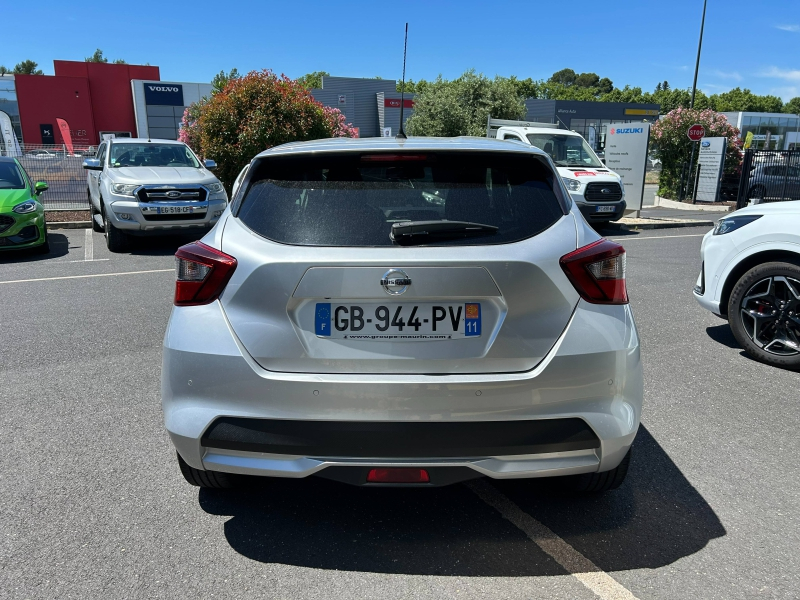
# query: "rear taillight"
{"type": "Point", "coordinates": [598, 272]}
{"type": "Point", "coordinates": [202, 274]}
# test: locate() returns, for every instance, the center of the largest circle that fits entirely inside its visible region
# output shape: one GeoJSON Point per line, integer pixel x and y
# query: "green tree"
{"type": "Point", "coordinates": [120, 61]}
{"type": "Point", "coordinates": [565, 77]}
{"type": "Point", "coordinates": [222, 79]}
{"type": "Point", "coordinates": [461, 106]}
{"type": "Point", "coordinates": [605, 86]}
{"type": "Point", "coordinates": [587, 80]}
{"type": "Point", "coordinates": [792, 106]}
{"type": "Point", "coordinates": [27, 67]}
{"type": "Point", "coordinates": [744, 100]}
{"type": "Point", "coordinates": [670, 143]}
{"type": "Point", "coordinates": [256, 112]}
{"type": "Point", "coordinates": [313, 80]}
{"type": "Point", "coordinates": [4, 70]}
{"type": "Point", "coordinates": [97, 57]}
{"type": "Point", "coordinates": [526, 88]}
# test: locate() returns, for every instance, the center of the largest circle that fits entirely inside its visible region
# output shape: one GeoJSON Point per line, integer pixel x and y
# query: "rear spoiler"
{"type": "Point", "coordinates": [493, 124]}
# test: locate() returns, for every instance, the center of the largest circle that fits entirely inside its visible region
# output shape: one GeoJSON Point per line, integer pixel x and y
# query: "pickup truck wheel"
{"type": "Point", "coordinates": [205, 479]}
{"type": "Point", "coordinates": [92, 212]}
{"type": "Point", "coordinates": [116, 241]}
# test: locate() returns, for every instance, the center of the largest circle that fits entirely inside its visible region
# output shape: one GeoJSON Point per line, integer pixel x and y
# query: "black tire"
{"type": "Point", "coordinates": [595, 483]}
{"type": "Point", "coordinates": [762, 314]}
{"type": "Point", "coordinates": [205, 479]}
{"type": "Point", "coordinates": [44, 248]}
{"type": "Point", "coordinates": [116, 241]}
{"type": "Point", "coordinates": [92, 212]}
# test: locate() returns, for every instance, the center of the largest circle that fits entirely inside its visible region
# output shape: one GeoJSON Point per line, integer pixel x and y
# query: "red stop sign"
{"type": "Point", "coordinates": [696, 132]}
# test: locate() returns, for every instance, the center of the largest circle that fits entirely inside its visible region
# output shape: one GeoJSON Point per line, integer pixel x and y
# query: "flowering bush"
{"type": "Point", "coordinates": [669, 141]}
{"type": "Point", "coordinates": [253, 113]}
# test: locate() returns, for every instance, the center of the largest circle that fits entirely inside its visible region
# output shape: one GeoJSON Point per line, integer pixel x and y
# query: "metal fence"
{"type": "Point", "coordinates": [769, 176]}
{"type": "Point", "coordinates": [62, 171]}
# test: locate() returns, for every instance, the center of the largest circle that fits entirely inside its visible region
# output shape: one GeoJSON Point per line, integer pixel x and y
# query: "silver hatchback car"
{"type": "Point", "coordinates": [402, 312]}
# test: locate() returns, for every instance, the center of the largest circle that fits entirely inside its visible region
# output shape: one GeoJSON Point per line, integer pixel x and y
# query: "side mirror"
{"type": "Point", "coordinates": [210, 164]}
{"type": "Point", "coordinates": [92, 164]}
{"type": "Point", "coordinates": [41, 186]}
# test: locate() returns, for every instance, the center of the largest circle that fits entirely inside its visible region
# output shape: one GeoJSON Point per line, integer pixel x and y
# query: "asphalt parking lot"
{"type": "Point", "coordinates": [92, 503]}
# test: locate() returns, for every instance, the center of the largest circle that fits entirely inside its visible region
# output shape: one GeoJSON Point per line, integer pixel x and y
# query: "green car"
{"type": "Point", "coordinates": [21, 214]}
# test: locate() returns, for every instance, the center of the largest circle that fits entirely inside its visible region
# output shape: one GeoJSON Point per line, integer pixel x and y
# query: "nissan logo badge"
{"type": "Point", "coordinates": [395, 282]}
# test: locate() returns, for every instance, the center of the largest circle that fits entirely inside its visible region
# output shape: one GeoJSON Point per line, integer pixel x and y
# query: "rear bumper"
{"type": "Point", "coordinates": [576, 412]}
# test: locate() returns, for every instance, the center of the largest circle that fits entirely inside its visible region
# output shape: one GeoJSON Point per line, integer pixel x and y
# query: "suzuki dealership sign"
{"type": "Point", "coordinates": [711, 160]}
{"type": "Point", "coordinates": [626, 155]}
{"type": "Point", "coordinates": [163, 94]}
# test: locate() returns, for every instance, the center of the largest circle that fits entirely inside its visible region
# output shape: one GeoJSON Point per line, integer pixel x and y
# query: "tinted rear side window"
{"type": "Point", "coordinates": [353, 199]}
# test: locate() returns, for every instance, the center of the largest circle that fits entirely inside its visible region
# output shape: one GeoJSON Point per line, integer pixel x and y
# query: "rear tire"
{"type": "Point", "coordinates": [116, 241]}
{"type": "Point", "coordinates": [595, 483]}
{"type": "Point", "coordinates": [205, 479]}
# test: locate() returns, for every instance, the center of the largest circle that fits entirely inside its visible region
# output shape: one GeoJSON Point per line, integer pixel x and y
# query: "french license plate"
{"type": "Point", "coordinates": [175, 210]}
{"type": "Point", "coordinates": [604, 209]}
{"type": "Point", "coordinates": [398, 322]}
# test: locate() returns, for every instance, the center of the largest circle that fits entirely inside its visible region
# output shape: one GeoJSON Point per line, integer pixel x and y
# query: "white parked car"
{"type": "Point", "coordinates": [151, 187]}
{"type": "Point", "coordinates": [402, 312]}
{"type": "Point", "coordinates": [751, 275]}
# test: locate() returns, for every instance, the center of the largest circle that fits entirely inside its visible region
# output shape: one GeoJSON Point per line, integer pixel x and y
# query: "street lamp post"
{"type": "Point", "coordinates": [694, 90]}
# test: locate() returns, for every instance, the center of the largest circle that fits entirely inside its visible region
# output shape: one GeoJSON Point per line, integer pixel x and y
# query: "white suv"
{"type": "Point", "coordinates": [151, 187]}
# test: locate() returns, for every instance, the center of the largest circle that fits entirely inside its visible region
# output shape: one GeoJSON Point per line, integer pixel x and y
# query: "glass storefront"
{"type": "Point", "coordinates": [771, 132]}
{"type": "Point", "coordinates": [9, 105]}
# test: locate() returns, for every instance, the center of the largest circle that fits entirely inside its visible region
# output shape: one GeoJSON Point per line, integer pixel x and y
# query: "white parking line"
{"type": "Point", "coordinates": [85, 276]}
{"type": "Point", "coordinates": [580, 567]}
{"type": "Point", "coordinates": [88, 247]}
{"type": "Point", "coordinates": [656, 237]}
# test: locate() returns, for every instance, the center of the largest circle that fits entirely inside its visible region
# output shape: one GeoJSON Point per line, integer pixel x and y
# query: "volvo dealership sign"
{"type": "Point", "coordinates": [163, 94]}
{"type": "Point", "coordinates": [711, 161]}
{"type": "Point", "coordinates": [626, 155]}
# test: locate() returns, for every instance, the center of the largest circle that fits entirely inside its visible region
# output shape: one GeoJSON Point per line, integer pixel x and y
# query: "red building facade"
{"type": "Point", "coordinates": [91, 97]}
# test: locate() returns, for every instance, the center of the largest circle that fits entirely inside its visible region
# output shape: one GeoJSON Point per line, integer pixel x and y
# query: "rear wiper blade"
{"type": "Point", "coordinates": [409, 233]}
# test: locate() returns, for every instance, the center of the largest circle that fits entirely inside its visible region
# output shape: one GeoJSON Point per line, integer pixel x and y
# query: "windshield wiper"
{"type": "Point", "coordinates": [410, 233]}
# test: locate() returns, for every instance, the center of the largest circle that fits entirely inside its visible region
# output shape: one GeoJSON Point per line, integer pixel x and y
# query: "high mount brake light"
{"type": "Point", "coordinates": [392, 157]}
{"type": "Point", "coordinates": [202, 274]}
{"type": "Point", "coordinates": [598, 272]}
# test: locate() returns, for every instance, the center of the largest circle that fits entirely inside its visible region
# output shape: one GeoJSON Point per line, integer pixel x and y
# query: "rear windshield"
{"type": "Point", "coordinates": [353, 200]}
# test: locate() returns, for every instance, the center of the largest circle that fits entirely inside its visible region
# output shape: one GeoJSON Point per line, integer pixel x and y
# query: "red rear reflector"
{"type": "Point", "coordinates": [598, 272]}
{"type": "Point", "coordinates": [392, 157]}
{"type": "Point", "coordinates": [202, 274]}
{"type": "Point", "coordinates": [398, 475]}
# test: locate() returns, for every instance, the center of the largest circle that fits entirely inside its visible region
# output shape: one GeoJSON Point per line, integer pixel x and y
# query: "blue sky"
{"type": "Point", "coordinates": [747, 44]}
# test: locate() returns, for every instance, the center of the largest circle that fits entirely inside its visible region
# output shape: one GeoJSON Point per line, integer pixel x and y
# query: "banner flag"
{"type": "Point", "coordinates": [64, 127]}
{"type": "Point", "coordinates": [9, 137]}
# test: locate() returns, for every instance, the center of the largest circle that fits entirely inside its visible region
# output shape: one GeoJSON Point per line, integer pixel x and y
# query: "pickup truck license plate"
{"type": "Point", "coordinates": [604, 209]}
{"type": "Point", "coordinates": [398, 322]}
{"type": "Point", "coordinates": [175, 210]}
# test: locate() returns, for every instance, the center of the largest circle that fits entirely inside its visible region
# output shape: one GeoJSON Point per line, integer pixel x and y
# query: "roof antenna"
{"type": "Point", "coordinates": [401, 135]}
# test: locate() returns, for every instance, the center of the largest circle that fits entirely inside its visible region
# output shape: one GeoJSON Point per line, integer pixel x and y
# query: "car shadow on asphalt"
{"type": "Point", "coordinates": [722, 334]}
{"type": "Point", "coordinates": [654, 519]}
{"type": "Point", "coordinates": [159, 245]}
{"type": "Point", "coordinates": [59, 246]}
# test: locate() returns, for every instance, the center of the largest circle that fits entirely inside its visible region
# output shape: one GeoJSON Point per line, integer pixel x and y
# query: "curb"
{"type": "Point", "coordinates": [69, 225]}
{"type": "Point", "coordinates": [666, 203]}
{"type": "Point", "coordinates": [667, 225]}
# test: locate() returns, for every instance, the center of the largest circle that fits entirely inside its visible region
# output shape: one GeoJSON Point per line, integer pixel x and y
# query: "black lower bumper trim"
{"type": "Point", "coordinates": [379, 439]}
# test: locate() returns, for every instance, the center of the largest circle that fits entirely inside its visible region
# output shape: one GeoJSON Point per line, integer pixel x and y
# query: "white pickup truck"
{"type": "Point", "coordinates": [141, 187]}
{"type": "Point", "coordinates": [597, 191]}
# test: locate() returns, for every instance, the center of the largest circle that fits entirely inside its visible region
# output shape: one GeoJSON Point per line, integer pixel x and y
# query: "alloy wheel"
{"type": "Point", "coordinates": [769, 314]}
